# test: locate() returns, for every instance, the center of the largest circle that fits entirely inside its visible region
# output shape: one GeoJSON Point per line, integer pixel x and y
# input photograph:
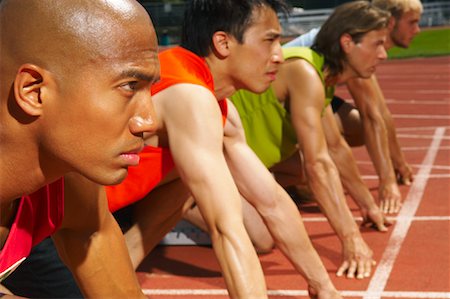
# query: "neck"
{"type": "Point", "coordinates": [223, 86]}
{"type": "Point", "coordinates": [21, 172]}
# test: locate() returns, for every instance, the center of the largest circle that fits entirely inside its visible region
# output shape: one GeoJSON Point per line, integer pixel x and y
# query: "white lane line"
{"type": "Point", "coordinates": [410, 205]}
{"type": "Point", "coordinates": [289, 293]}
{"type": "Point", "coordinates": [433, 91]}
{"type": "Point", "coordinates": [419, 102]}
{"type": "Point", "coordinates": [423, 148]}
{"type": "Point", "coordinates": [421, 116]}
{"type": "Point", "coordinates": [391, 218]}
{"type": "Point", "coordinates": [439, 167]}
{"type": "Point", "coordinates": [429, 128]}
{"type": "Point", "coordinates": [416, 136]}
{"type": "Point", "coordinates": [430, 176]}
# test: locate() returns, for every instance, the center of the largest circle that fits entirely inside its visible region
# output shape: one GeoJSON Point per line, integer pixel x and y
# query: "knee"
{"type": "Point", "coordinates": [264, 246]}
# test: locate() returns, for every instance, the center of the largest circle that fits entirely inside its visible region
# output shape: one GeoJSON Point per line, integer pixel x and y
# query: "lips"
{"type": "Point", "coordinates": [272, 75]}
{"type": "Point", "coordinates": [131, 157]}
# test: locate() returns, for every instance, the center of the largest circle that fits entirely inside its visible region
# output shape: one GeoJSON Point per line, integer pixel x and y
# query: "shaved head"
{"type": "Point", "coordinates": [59, 34]}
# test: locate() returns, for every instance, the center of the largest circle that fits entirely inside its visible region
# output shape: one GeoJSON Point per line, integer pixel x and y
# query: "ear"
{"type": "Point", "coordinates": [346, 42]}
{"type": "Point", "coordinates": [221, 44]}
{"type": "Point", "coordinates": [391, 24]}
{"type": "Point", "coordinates": [27, 89]}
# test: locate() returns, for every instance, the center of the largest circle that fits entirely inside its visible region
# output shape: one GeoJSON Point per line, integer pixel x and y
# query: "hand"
{"type": "Point", "coordinates": [390, 198]}
{"type": "Point", "coordinates": [323, 294]}
{"type": "Point", "coordinates": [375, 218]}
{"type": "Point", "coordinates": [357, 258]}
{"type": "Point", "coordinates": [404, 174]}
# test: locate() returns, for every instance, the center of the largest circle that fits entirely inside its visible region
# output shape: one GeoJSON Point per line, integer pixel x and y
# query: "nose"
{"type": "Point", "coordinates": [417, 29]}
{"type": "Point", "coordinates": [145, 119]}
{"type": "Point", "coordinates": [382, 54]}
{"type": "Point", "coordinates": [277, 56]}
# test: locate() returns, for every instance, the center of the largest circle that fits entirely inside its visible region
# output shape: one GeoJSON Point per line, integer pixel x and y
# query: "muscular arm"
{"type": "Point", "coordinates": [373, 110]}
{"type": "Point", "coordinates": [401, 167]}
{"type": "Point", "coordinates": [91, 243]}
{"type": "Point", "coordinates": [194, 126]}
{"type": "Point", "coordinates": [306, 103]}
{"type": "Point", "coordinates": [351, 179]}
{"type": "Point", "coordinates": [278, 211]}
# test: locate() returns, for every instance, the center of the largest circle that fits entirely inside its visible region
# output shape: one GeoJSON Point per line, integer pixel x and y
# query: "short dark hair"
{"type": "Point", "coordinates": [202, 18]}
{"type": "Point", "coordinates": [354, 18]}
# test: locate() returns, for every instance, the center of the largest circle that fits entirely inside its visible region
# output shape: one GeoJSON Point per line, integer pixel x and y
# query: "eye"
{"type": "Point", "coordinates": [130, 86]}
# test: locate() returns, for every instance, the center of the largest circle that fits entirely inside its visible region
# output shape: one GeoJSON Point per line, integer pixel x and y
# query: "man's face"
{"type": "Point", "coordinates": [405, 29]}
{"type": "Point", "coordinates": [365, 55]}
{"type": "Point", "coordinates": [100, 111]}
{"type": "Point", "coordinates": [255, 62]}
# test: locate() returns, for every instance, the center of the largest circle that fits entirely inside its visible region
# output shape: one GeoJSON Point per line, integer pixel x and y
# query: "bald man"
{"type": "Point", "coordinates": [62, 76]}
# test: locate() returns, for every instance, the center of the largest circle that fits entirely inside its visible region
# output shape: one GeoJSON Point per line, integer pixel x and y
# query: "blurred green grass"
{"type": "Point", "coordinates": [429, 42]}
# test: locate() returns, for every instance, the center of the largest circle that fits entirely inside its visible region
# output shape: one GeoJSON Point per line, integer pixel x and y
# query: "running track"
{"type": "Point", "coordinates": [413, 257]}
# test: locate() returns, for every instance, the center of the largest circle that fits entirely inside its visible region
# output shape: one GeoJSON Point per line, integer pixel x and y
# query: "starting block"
{"type": "Point", "coordinates": [184, 233]}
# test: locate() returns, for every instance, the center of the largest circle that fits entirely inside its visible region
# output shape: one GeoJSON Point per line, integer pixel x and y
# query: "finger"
{"type": "Point", "coordinates": [352, 269]}
{"type": "Point", "coordinates": [407, 181]}
{"type": "Point", "coordinates": [368, 269]}
{"type": "Point", "coordinates": [342, 269]}
{"type": "Point", "coordinates": [383, 206]}
{"type": "Point", "coordinates": [387, 222]}
{"type": "Point", "coordinates": [391, 207]}
{"type": "Point", "coordinates": [398, 206]}
{"type": "Point", "coordinates": [380, 226]}
{"type": "Point", "coordinates": [361, 270]}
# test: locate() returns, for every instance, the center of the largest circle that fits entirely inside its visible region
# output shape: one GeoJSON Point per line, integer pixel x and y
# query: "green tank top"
{"type": "Point", "coordinates": [268, 127]}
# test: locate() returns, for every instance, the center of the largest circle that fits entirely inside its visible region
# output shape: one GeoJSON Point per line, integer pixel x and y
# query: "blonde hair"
{"type": "Point", "coordinates": [398, 7]}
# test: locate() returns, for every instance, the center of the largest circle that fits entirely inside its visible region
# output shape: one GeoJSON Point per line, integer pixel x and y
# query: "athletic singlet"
{"type": "Point", "coordinates": [267, 124]}
{"type": "Point", "coordinates": [38, 216]}
{"type": "Point", "coordinates": [178, 65]}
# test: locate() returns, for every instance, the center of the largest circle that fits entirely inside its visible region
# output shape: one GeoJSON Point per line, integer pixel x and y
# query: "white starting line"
{"type": "Point", "coordinates": [289, 293]}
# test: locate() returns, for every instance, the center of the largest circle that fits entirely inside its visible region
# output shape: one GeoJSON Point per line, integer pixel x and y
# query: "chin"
{"type": "Point", "coordinates": [260, 89]}
{"type": "Point", "coordinates": [111, 177]}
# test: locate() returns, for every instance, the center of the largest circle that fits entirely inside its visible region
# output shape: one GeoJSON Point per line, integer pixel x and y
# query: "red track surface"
{"type": "Point", "coordinates": [413, 257]}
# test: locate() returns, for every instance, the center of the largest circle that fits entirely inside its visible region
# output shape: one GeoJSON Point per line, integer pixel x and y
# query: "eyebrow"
{"type": "Point", "coordinates": [139, 75]}
{"type": "Point", "coordinates": [273, 33]}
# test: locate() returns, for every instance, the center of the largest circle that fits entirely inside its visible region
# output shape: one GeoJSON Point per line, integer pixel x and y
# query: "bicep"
{"type": "Point", "coordinates": [307, 98]}
{"type": "Point", "coordinates": [193, 122]}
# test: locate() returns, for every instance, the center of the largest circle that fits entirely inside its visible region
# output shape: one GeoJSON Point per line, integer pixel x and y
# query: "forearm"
{"type": "Point", "coordinates": [326, 186]}
{"type": "Point", "coordinates": [284, 221]}
{"type": "Point", "coordinates": [398, 159]}
{"type": "Point", "coordinates": [377, 144]}
{"type": "Point", "coordinates": [238, 260]}
{"type": "Point", "coordinates": [240, 266]}
{"type": "Point", "coordinates": [351, 177]}
{"type": "Point", "coordinates": [89, 256]}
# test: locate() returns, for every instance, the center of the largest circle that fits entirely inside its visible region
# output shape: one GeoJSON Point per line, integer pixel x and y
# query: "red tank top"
{"type": "Point", "coordinates": [38, 216]}
{"type": "Point", "coordinates": [178, 65]}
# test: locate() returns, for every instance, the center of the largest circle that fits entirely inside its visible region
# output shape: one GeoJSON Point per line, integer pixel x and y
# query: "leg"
{"type": "Point", "coordinates": [153, 217]}
{"type": "Point", "coordinates": [349, 121]}
{"type": "Point", "coordinates": [290, 172]}
{"type": "Point", "coordinates": [256, 228]}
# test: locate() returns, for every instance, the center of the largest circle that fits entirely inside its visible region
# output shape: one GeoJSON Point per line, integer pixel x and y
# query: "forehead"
{"type": "Point", "coordinates": [375, 35]}
{"type": "Point", "coordinates": [410, 16]}
{"type": "Point", "coordinates": [129, 51]}
{"type": "Point", "coordinates": [264, 22]}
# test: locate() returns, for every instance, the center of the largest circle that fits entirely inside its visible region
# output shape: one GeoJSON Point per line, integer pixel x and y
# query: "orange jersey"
{"type": "Point", "coordinates": [178, 65]}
